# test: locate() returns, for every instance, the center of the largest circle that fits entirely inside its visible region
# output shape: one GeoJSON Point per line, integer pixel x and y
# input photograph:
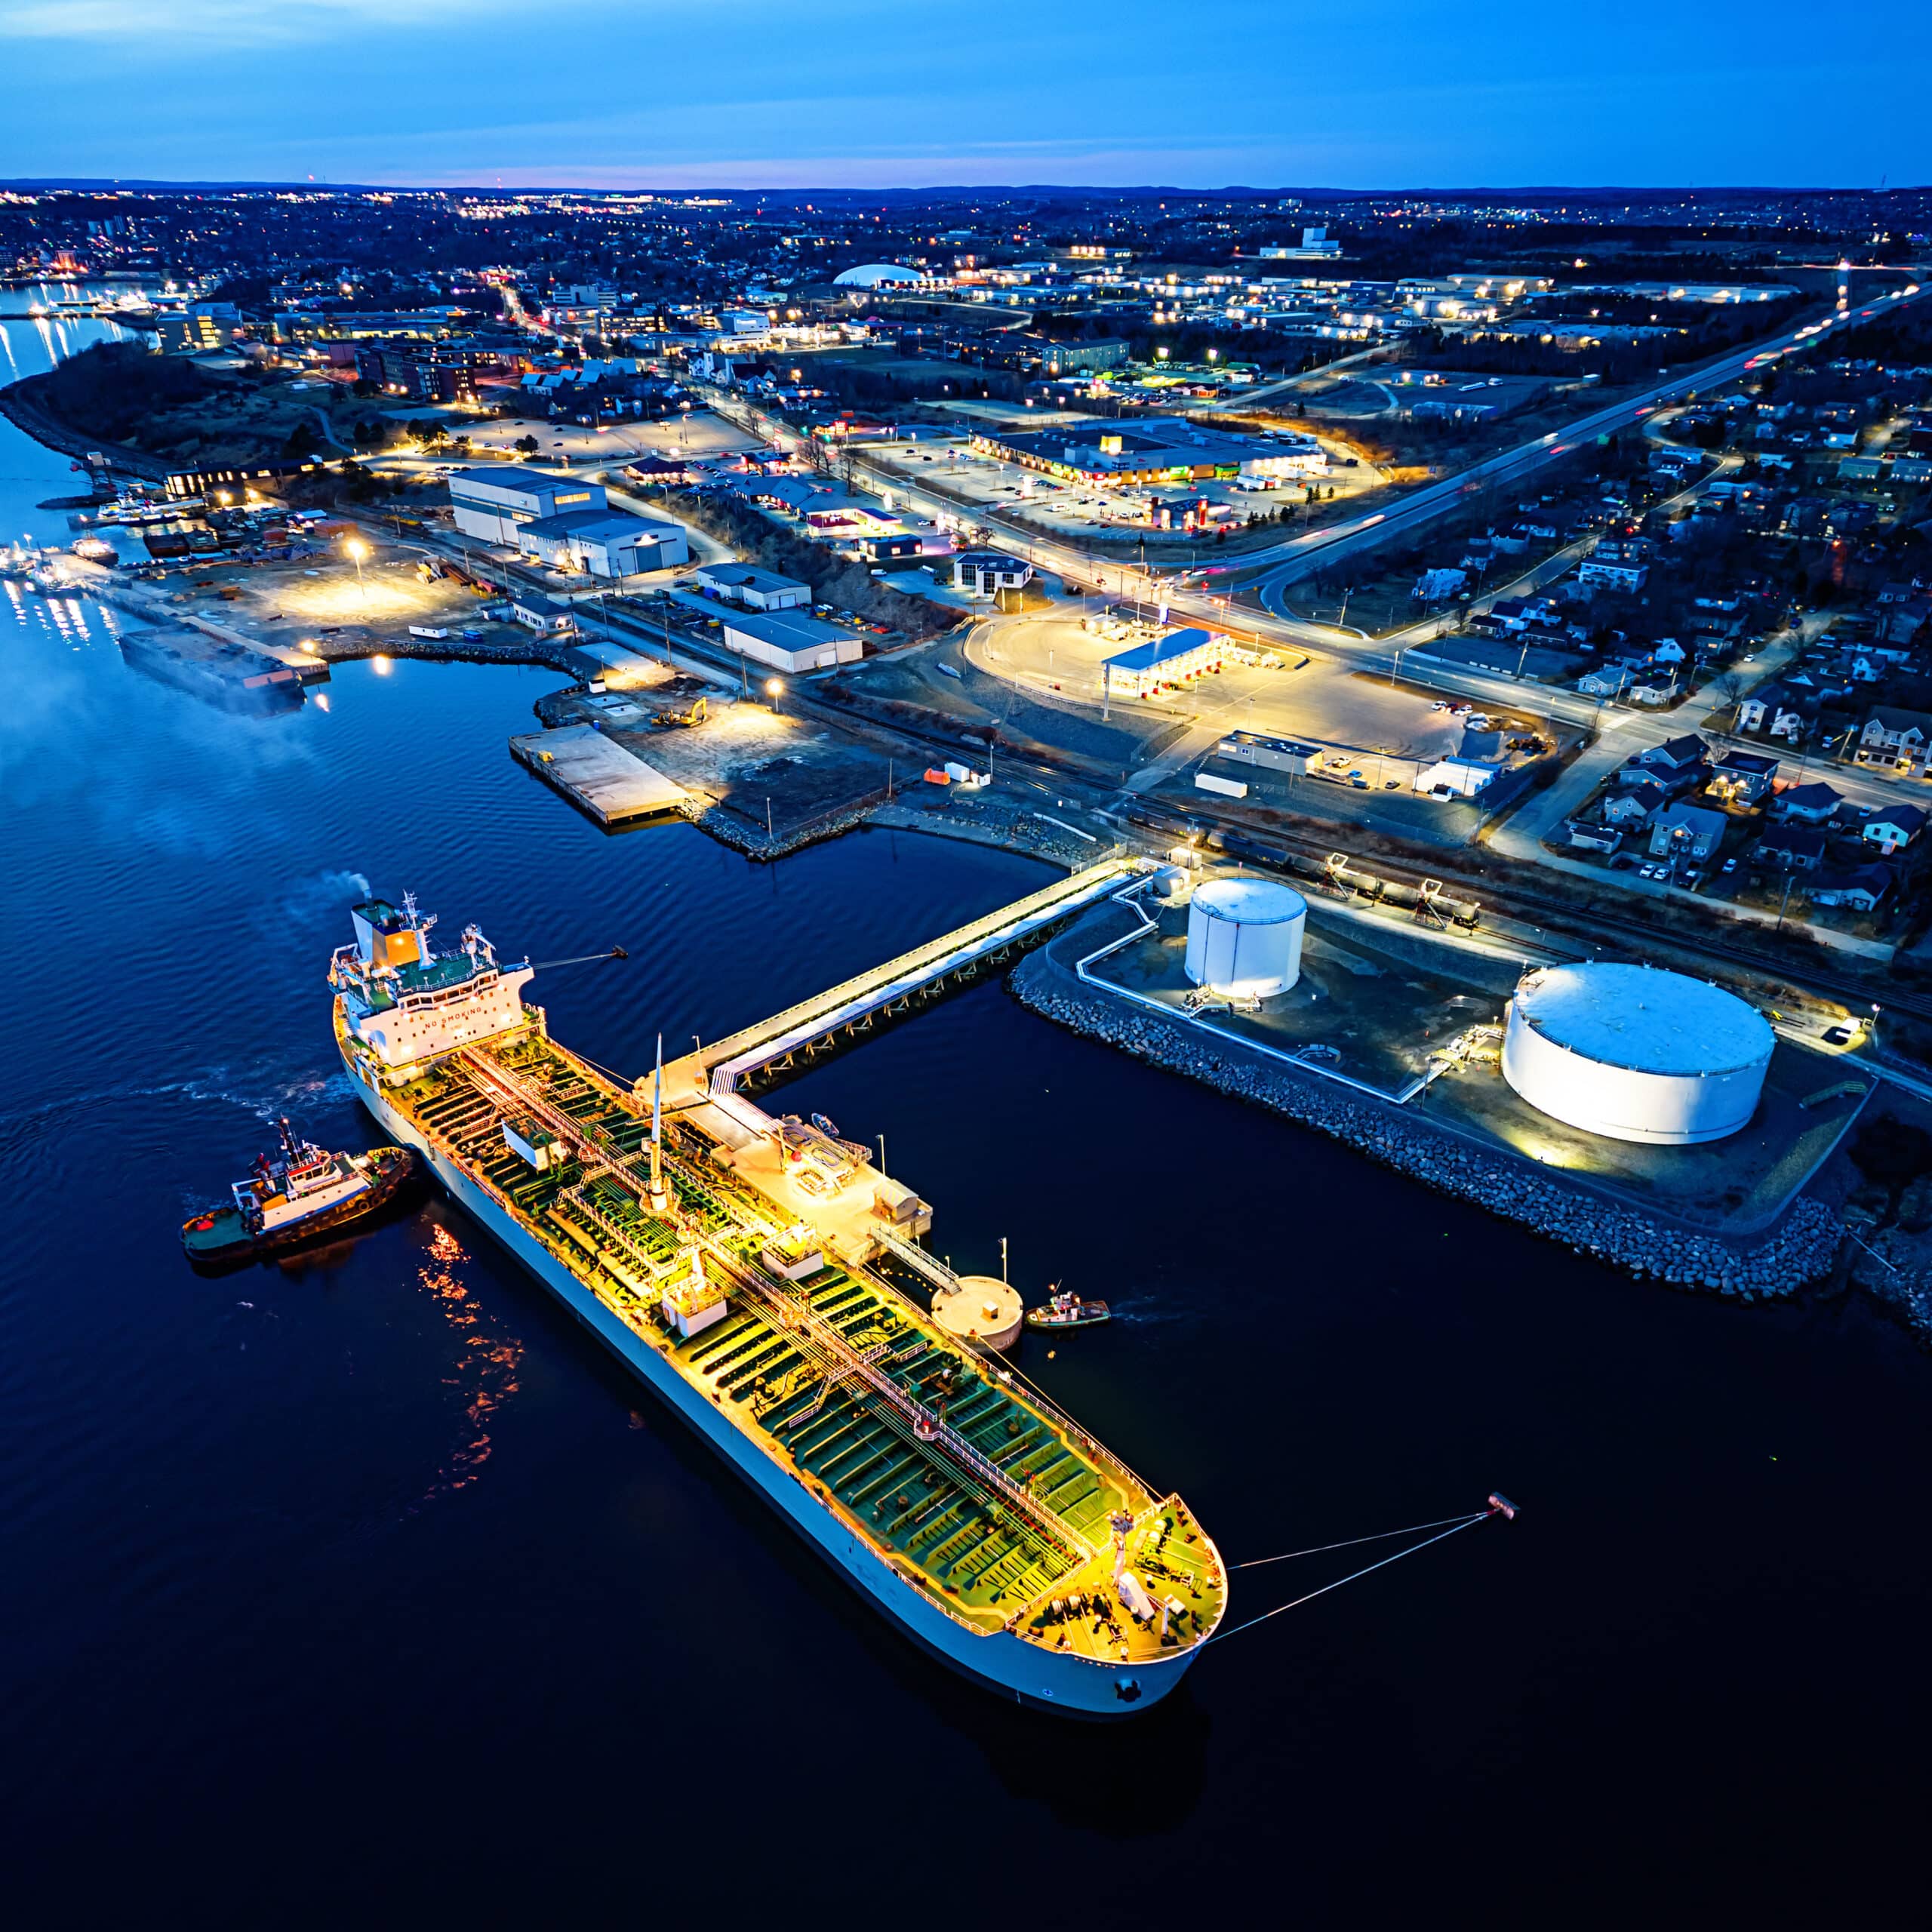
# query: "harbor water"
{"type": "Point", "coordinates": [369, 1583]}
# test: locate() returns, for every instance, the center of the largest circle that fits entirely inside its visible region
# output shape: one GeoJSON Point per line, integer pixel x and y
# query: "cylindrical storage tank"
{"type": "Point", "coordinates": [1244, 937]}
{"type": "Point", "coordinates": [1635, 1053]}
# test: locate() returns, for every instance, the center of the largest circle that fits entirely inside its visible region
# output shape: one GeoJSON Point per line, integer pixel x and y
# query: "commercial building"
{"type": "Point", "coordinates": [607, 543]}
{"type": "Point", "coordinates": [1102, 451]}
{"type": "Point", "coordinates": [190, 334]}
{"type": "Point", "coordinates": [490, 504]}
{"type": "Point", "coordinates": [789, 641]}
{"type": "Point", "coordinates": [1162, 663]}
{"type": "Point", "coordinates": [986, 573]}
{"type": "Point", "coordinates": [755, 588]}
{"type": "Point", "coordinates": [1455, 778]}
{"type": "Point", "coordinates": [1288, 755]}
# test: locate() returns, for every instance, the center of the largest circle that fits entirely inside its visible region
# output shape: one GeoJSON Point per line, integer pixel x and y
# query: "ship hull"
{"type": "Point", "coordinates": [1016, 1670]}
{"type": "Point", "coordinates": [392, 1181]}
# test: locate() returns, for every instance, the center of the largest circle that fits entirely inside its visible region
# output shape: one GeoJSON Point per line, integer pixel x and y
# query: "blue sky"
{"type": "Point", "coordinates": [862, 93]}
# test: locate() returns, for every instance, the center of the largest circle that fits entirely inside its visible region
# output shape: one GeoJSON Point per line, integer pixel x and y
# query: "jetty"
{"type": "Point", "coordinates": [597, 774]}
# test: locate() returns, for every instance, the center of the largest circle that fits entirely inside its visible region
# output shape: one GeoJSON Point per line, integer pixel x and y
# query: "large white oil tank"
{"type": "Point", "coordinates": [1244, 937]}
{"type": "Point", "coordinates": [1636, 1053]}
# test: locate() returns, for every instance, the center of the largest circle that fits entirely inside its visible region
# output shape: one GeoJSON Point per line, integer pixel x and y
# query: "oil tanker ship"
{"type": "Point", "coordinates": [737, 1269]}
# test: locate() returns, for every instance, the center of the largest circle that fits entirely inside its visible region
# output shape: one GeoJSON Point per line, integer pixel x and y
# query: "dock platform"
{"type": "Point", "coordinates": [598, 774]}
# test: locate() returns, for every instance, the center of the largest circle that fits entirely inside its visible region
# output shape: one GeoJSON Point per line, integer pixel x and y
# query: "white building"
{"type": "Point", "coordinates": [790, 640]}
{"type": "Point", "coordinates": [490, 504]}
{"type": "Point", "coordinates": [755, 588]}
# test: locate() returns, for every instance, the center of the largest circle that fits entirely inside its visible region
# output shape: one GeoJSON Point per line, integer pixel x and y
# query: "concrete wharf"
{"type": "Point", "coordinates": [777, 1045]}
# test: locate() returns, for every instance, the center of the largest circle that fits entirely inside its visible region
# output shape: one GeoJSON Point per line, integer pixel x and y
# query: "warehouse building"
{"type": "Point", "coordinates": [606, 543]}
{"type": "Point", "coordinates": [790, 640]}
{"type": "Point", "coordinates": [490, 504]}
{"type": "Point", "coordinates": [755, 588]}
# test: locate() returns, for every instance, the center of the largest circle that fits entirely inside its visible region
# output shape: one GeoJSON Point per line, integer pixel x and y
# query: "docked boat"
{"type": "Point", "coordinates": [219, 672]}
{"type": "Point", "coordinates": [1062, 1310]}
{"type": "Point", "coordinates": [731, 1260]}
{"type": "Point", "coordinates": [305, 1192]}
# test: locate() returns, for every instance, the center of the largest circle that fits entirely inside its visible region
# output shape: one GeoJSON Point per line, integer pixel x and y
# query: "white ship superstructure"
{"type": "Point", "coordinates": [985, 1522]}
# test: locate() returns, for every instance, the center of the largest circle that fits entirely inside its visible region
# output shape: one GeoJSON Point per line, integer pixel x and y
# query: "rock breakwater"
{"type": "Point", "coordinates": [1800, 1249]}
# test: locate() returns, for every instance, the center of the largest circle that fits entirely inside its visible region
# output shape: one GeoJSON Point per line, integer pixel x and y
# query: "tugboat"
{"type": "Point", "coordinates": [1063, 1310]}
{"type": "Point", "coordinates": [308, 1191]}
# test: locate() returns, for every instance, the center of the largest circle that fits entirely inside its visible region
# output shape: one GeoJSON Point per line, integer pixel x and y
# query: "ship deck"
{"type": "Point", "coordinates": [969, 1484]}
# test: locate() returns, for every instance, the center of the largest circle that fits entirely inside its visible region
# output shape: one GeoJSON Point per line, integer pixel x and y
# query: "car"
{"type": "Point", "coordinates": [1731, 865]}
{"type": "Point", "coordinates": [1836, 1036]}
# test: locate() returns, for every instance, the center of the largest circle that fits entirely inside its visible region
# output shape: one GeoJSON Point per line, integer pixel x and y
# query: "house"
{"type": "Point", "coordinates": [1686, 832]}
{"type": "Point", "coordinates": [1587, 838]}
{"type": "Point", "coordinates": [1797, 848]}
{"type": "Point", "coordinates": [1772, 710]}
{"type": "Point", "coordinates": [1608, 680]}
{"type": "Point", "coordinates": [1892, 827]}
{"type": "Point", "coordinates": [1635, 804]}
{"type": "Point", "coordinates": [1809, 805]}
{"type": "Point", "coordinates": [1676, 763]}
{"type": "Point", "coordinates": [1901, 622]}
{"type": "Point", "coordinates": [1667, 650]}
{"type": "Point", "coordinates": [1861, 889]}
{"type": "Point", "coordinates": [1611, 574]}
{"type": "Point", "coordinates": [1894, 738]}
{"type": "Point", "coordinates": [1743, 778]}
{"type": "Point", "coordinates": [755, 588]}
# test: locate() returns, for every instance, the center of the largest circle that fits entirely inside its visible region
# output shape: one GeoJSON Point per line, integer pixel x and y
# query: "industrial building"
{"type": "Point", "coordinates": [606, 543]}
{"type": "Point", "coordinates": [1161, 663]}
{"type": "Point", "coordinates": [490, 504]}
{"type": "Point", "coordinates": [1455, 778]}
{"type": "Point", "coordinates": [755, 588]}
{"type": "Point", "coordinates": [1245, 937]}
{"type": "Point", "coordinates": [1636, 1053]}
{"type": "Point", "coordinates": [789, 641]}
{"type": "Point", "coordinates": [1288, 755]}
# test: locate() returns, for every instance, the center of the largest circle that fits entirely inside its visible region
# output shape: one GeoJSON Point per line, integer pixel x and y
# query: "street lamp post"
{"type": "Point", "coordinates": [358, 550]}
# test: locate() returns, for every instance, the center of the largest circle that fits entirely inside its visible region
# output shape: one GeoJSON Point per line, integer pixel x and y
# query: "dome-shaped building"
{"type": "Point", "coordinates": [872, 275]}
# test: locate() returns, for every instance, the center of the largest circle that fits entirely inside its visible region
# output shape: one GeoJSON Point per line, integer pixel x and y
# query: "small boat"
{"type": "Point", "coordinates": [1063, 1310]}
{"type": "Point", "coordinates": [306, 1191]}
{"type": "Point", "coordinates": [826, 1126]}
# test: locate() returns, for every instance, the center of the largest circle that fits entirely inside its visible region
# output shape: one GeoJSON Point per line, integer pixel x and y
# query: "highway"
{"type": "Point", "coordinates": [1271, 571]}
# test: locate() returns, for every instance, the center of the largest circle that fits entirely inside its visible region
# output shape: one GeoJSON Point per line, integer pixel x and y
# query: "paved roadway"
{"type": "Point", "coordinates": [1296, 557]}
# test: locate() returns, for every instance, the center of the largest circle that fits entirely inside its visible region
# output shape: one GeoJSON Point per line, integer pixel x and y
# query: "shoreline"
{"type": "Point", "coordinates": [1803, 1246]}
{"type": "Point", "coordinates": [18, 405]}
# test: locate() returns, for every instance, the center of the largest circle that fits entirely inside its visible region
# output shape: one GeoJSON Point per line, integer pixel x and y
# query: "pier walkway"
{"type": "Point", "coordinates": [776, 1045]}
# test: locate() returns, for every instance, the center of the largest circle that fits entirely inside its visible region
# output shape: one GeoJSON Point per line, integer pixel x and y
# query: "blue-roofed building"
{"type": "Point", "coordinates": [1162, 663]}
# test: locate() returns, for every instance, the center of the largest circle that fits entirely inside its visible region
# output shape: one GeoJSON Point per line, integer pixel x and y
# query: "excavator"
{"type": "Point", "coordinates": [693, 714]}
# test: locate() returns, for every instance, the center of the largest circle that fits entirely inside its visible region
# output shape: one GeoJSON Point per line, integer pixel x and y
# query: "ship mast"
{"type": "Point", "coordinates": [657, 1132]}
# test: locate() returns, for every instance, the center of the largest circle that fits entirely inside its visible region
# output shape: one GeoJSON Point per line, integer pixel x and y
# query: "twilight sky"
{"type": "Point", "coordinates": [836, 93]}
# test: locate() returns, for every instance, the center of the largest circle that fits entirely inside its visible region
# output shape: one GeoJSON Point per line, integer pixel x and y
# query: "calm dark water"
{"type": "Point", "coordinates": [372, 1585]}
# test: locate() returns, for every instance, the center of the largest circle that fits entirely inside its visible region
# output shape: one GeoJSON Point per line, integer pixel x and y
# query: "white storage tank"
{"type": "Point", "coordinates": [1635, 1053]}
{"type": "Point", "coordinates": [1244, 935]}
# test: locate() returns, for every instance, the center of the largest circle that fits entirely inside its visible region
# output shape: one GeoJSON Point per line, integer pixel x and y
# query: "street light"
{"type": "Point", "coordinates": [358, 550]}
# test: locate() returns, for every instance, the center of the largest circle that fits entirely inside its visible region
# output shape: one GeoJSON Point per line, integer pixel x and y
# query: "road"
{"type": "Point", "coordinates": [1296, 557]}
